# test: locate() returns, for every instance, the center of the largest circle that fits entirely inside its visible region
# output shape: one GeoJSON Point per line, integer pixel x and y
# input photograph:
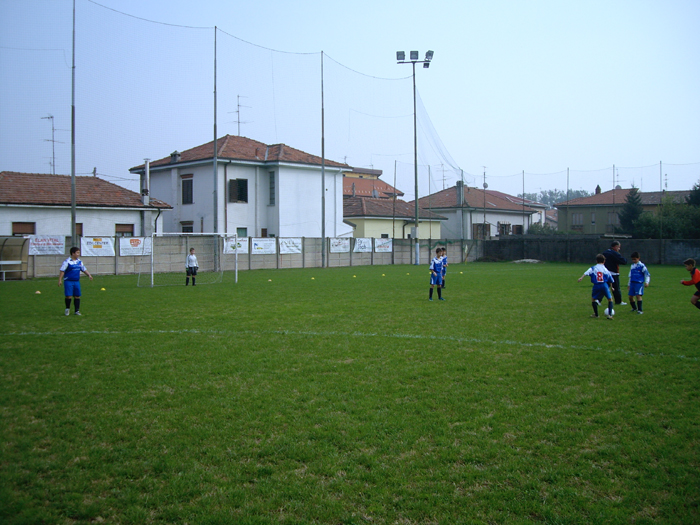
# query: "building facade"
{"type": "Point", "coordinates": [256, 190]}
{"type": "Point", "coordinates": [40, 204]}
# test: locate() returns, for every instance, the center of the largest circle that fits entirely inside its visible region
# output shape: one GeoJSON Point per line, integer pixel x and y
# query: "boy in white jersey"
{"type": "Point", "coordinates": [602, 279]}
{"type": "Point", "coordinates": [638, 280]}
{"type": "Point", "coordinates": [191, 267]}
{"type": "Point", "coordinates": [69, 277]}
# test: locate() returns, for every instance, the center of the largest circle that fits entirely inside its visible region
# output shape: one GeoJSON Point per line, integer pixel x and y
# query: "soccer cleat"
{"type": "Point", "coordinates": [609, 317]}
{"type": "Point", "coordinates": [430, 298]}
{"type": "Point", "coordinates": [623, 303]}
{"type": "Point", "coordinates": [442, 298]}
{"type": "Point", "coordinates": [594, 316]}
{"type": "Point", "coordinates": [78, 313]}
{"type": "Point", "coordinates": [640, 312]}
{"type": "Point", "coordinates": [67, 311]}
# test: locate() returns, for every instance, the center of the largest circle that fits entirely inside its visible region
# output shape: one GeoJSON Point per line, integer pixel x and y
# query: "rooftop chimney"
{"type": "Point", "coordinates": [175, 156]}
{"type": "Point", "coordinates": [460, 193]}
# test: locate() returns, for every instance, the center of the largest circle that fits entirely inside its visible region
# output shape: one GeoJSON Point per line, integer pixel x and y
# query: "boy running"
{"type": "Point", "coordinates": [69, 277]}
{"type": "Point", "coordinates": [436, 275]}
{"type": "Point", "coordinates": [601, 278]}
{"type": "Point", "coordinates": [694, 279]}
{"type": "Point", "coordinates": [638, 280]}
{"type": "Point", "coordinates": [191, 267]}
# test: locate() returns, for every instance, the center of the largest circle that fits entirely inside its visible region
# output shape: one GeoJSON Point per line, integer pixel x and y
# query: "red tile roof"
{"type": "Point", "coordinates": [233, 147]}
{"type": "Point", "coordinates": [473, 198]}
{"type": "Point", "coordinates": [55, 190]}
{"type": "Point", "coordinates": [367, 207]}
{"type": "Point", "coordinates": [366, 187]}
{"type": "Point", "coordinates": [618, 196]}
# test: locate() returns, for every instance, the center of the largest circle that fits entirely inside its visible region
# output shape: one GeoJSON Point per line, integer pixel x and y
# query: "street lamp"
{"type": "Point", "coordinates": [401, 59]}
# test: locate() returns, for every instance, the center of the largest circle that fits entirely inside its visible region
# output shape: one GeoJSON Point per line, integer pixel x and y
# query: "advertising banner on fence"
{"type": "Point", "coordinates": [382, 245]}
{"type": "Point", "coordinates": [135, 246]}
{"type": "Point", "coordinates": [363, 245]}
{"type": "Point", "coordinates": [264, 246]}
{"type": "Point", "coordinates": [340, 245]}
{"type": "Point", "coordinates": [290, 245]}
{"type": "Point", "coordinates": [230, 245]}
{"type": "Point", "coordinates": [96, 247]}
{"type": "Point", "coordinates": [47, 244]}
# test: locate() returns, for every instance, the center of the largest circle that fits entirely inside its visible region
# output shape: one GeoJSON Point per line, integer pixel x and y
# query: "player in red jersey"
{"type": "Point", "coordinates": [694, 279]}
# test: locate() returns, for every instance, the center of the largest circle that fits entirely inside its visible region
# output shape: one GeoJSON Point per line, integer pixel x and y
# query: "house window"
{"type": "Point", "coordinates": [238, 190]}
{"type": "Point", "coordinates": [385, 235]}
{"type": "Point", "coordinates": [263, 232]}
{"type": "Point", "coordinates": [504, 228]}
{"type": "Point", "coordinates": [242, 232]}
{"type": "Point", "coordinates": [187, 189]}
{"type": "Point", "coordinates": [79, 229]}
{"type": "Point", "coordinates": [187, 226]}
{"type": "Point", "coordinates": [23, 228]}
{"type": "Point", "coordinates": [593, 217]}
{"type": "Point", "coordinates": [517, 229]}
{"type": "Point", "coordinates": [481, 231]}
{"type": "Point", "coordinates": [272, 188]}
{"type": "Point", "coordinates": [123, 230]}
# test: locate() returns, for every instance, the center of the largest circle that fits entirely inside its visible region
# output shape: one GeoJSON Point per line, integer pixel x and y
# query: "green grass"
{"type": "Point", "coordinates": [342, 396]}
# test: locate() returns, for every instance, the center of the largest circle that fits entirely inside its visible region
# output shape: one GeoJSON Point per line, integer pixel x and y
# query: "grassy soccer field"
{"type": "Point", "coordinates": [342, 396]}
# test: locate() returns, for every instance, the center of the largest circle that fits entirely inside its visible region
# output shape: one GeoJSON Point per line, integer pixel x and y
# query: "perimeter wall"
{"type": "Point", "coordinates": [578, 249]}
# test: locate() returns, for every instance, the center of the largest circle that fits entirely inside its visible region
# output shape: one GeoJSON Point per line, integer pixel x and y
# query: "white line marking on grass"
{"type": "Point", "coordinates": [473, 340]}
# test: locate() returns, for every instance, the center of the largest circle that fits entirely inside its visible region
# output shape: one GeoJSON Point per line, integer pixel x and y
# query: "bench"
{"type": "Point", "coordinates": [10, 263]}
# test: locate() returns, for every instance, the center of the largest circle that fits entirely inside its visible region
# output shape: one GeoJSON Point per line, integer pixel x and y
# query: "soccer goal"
{"type": "Point", "coordinates": [165, 265]}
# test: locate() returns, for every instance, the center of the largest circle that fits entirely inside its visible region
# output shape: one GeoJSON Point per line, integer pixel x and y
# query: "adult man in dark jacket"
{"type": "Point", "coordinates": [613, 260]}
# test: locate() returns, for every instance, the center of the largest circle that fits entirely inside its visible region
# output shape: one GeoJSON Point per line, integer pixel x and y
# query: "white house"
{"type": "Point", "coordinates": [473, 213]}
{"type": "Point", "coordinates": [40, 204]}
{"type": "Point", "coordinates": [256, 190]}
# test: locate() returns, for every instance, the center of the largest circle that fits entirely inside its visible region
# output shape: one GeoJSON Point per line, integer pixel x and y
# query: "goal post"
{"type": "Point", "coordinates": [165, 265]}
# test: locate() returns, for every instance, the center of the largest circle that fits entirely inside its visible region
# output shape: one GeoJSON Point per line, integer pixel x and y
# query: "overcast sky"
{"type": "Point", "coordinates": [534, 86]}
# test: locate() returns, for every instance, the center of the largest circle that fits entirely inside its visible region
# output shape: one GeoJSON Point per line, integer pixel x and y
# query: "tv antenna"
{"type": "Point", "coordinates": [238, 113]}
{"type": "Point", "coordinates": [53, 143]}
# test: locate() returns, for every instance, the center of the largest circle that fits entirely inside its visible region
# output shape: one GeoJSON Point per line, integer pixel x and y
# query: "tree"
{"type": "Point", "coordinates": [673, 221]}
{"type": "Point", "coordinates": [551, 197]}
{"type": "Point", "coordinates": [694, 198]}
{"type": "Point", "coordinates": [631, 211]}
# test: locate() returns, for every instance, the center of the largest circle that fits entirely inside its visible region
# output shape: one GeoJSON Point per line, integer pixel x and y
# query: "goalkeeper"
{"type": "Point", "coordinates": [191, 267]}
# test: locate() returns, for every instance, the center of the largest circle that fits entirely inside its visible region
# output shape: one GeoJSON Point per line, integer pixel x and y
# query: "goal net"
{"type": "Point", "coordinates": [165, 265]}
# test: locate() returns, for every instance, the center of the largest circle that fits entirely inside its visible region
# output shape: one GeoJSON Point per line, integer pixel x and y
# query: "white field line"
{"type": "Point", "coordinates": [473, 340]}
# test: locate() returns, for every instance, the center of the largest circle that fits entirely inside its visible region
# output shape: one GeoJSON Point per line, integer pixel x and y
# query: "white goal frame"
{"type": "Point", "coordinates": [165, 266]}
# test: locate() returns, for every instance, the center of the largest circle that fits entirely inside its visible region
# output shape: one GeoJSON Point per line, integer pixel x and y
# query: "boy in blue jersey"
{"type": "Point", "coordinates": [436, 275]}
{"type": "Point", "coordinates": [602, 279]}
{"type": "Point", "coordinates": [69, 277]}
{"type": "Point", "coordinates": [638, 280]}
{"type": "Point", "coordinates": [444, 266]}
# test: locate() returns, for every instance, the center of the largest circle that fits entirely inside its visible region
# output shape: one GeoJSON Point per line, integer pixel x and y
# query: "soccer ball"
{"type": "Point", "coordinates": [609, 311]}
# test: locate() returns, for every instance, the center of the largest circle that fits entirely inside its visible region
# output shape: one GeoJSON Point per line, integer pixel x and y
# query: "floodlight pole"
{"type": "Point", "coordinates": [73, 236]}
{"type": "Point", "coordinates": [400, 59]}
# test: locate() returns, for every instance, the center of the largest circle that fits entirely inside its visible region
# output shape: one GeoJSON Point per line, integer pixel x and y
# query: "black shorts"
{"type": "Point", "coordinates": [192, 270]}
{"type": "Point", "coordinates": [697, 294]}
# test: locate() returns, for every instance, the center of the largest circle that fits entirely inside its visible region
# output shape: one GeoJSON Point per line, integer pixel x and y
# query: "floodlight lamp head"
{"type": "Point", "coordinates": [414, 55]}
{"type": "Point", "coordinates": [400, 56]}
{"type": "Point", "coordinates": [428, 56]}
{"type": "Point", "coordinates": [426, 65]}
